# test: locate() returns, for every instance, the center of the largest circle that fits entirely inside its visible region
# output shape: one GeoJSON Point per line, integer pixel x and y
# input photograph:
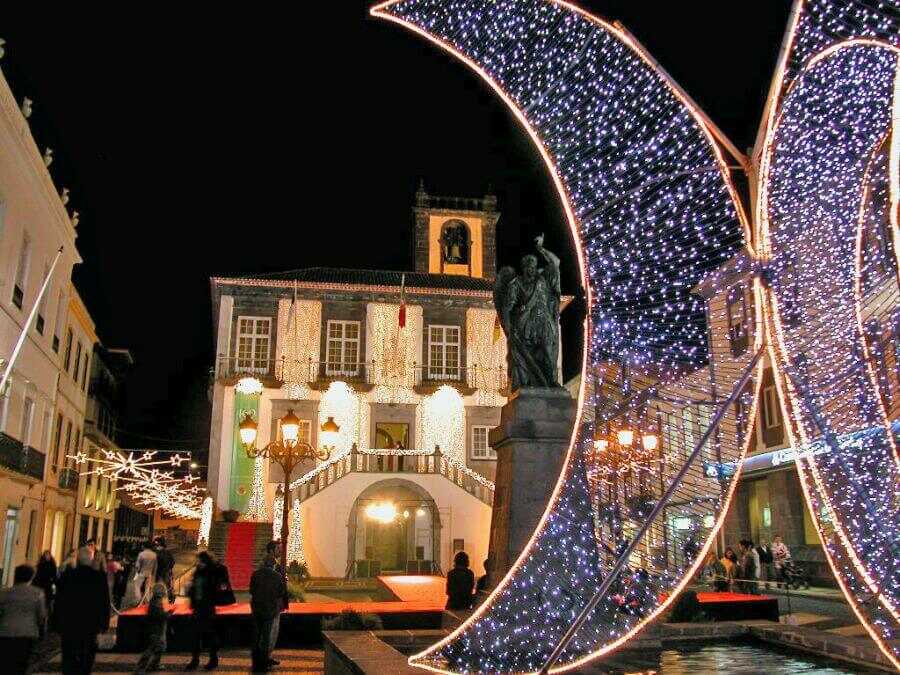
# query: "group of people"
{"type": "Point", "coordinates": [74, 599]}
{"type": "Point", "coordinates": [153, 564]}
{"type": "Point", "coordinates": [210, 588]}
{"type": "Point", "coordinates": [742, 571]}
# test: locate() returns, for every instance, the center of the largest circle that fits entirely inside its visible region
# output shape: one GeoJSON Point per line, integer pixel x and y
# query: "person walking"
{"type": "Point", "coordinates": [267, 592]}
{"type": "Point", "coordinates": [273, 549]}
{"type": "Point", "coordinates": [165, 566]}
{"type": "Point", "coordinates": [144, 572]}
{"type": "Point", "coordinates": [23, 620]}
{"type": "Point", "coordinates": [81, 613]}
{"type": "Point", "coordinates": [780, 555]}
{"type": "Point", "coordinates": [460, 583]}
{"type": "Point", "coordinates": [749, 570]}
{"type": "Point", "coordinates": [45, 578]}
{"type": "Point", "coordinates": [210, 587]}
{"type": "Point", "coordinates": [157, 621]}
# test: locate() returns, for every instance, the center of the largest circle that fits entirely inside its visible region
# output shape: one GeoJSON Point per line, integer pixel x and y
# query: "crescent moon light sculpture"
{"type": "Point", "coordinates": [648, 195]}
{"type": "Point", "coordinates": [828, 229]}
{"type": "Point", "coordinates": [657, 223]}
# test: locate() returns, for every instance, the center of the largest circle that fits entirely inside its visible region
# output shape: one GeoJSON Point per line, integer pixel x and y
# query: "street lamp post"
{"type": "Point", "coordinates": [287, 452]}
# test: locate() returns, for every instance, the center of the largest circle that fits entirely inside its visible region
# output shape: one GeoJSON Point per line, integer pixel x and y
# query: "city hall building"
{"type": "Point", "coordinates": [410, 366]}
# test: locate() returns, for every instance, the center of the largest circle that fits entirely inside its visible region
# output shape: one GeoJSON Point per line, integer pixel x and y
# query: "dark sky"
{"type": "Point", "coordinates": [201, 143]}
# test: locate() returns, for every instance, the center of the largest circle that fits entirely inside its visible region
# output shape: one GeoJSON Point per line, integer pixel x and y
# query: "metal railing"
{"type": "Point", "coordinates": [68, 479]}
{"type": "Point", "coordinates": [21, 458]}
{"type": "Point", "coordinates": [393, 462]}
{"type": "Point", "coordinates": [365, 372]}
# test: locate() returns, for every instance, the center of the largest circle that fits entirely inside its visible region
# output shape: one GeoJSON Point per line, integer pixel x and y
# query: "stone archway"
{"type": "Point", "coordinates": [414, 533]}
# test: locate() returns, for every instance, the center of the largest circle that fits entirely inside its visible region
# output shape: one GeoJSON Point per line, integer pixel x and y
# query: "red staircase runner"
{"type": "Point", "coordinates": [239, 552]}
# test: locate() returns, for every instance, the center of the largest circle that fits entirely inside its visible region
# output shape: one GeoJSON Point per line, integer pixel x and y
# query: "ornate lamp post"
{"type": "Point", "coordinates": [287, 453]}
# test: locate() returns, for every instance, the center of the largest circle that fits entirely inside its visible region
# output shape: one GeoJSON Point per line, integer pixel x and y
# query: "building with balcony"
{"type": "Point", "coordinates": [98, 502]}
{"type": "Point", "coordinates": [411, 366]}
{"type": "Point", "coordinates": [44, 399]}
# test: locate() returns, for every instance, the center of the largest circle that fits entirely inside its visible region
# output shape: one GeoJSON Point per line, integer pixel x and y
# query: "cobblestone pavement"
{"type": "Point", "coordinates": [230, 661]}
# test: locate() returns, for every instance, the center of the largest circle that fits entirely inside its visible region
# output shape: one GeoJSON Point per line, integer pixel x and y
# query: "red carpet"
{"type": "Point", "coordinates": [239, 552]}
{"type": "Point", "coordinates": [415, 593]}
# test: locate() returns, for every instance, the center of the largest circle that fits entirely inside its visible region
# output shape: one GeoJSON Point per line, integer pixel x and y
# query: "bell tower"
{"type": "Point", "coordinates": [455, 235]}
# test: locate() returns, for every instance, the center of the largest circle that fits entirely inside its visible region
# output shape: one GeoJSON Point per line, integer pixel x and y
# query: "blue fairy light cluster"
{"type": "Point", "coordinates": [828, 194]}
{"type": "Point", "coordinates": [656, 216]}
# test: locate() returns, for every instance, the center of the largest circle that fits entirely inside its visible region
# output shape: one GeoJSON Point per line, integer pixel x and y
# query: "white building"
{"type": "Point", "coordinates": [37, 487]}
{"type": "Point", "coordinates": [328, 343]}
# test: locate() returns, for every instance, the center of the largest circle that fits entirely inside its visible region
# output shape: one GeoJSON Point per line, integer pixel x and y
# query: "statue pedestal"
{"type": "Point", "coordinates": [535, 429]}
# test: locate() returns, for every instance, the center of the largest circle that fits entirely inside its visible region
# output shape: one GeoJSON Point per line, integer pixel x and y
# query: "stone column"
{"type": "Point", "coordinates": [535, 428]}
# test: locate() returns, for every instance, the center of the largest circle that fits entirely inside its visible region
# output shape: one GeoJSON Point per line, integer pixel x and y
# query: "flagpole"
{"type": "Point", "coordinates": [28, 322]}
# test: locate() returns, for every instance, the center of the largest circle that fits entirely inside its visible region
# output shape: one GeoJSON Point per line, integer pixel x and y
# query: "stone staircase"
{"type": "Point", "coordinates": [241, 546]}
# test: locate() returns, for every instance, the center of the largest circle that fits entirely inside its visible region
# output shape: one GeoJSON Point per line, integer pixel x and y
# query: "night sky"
{"type": "Point", "coordinates": [239, 143]}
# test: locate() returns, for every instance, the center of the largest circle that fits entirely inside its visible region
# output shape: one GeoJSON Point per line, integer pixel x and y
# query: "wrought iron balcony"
{"type": "Point", "coordinates": [273, 373]}
{"type": "Point", "coordinates": [22, 459]}
{"type": "Point", "coordinates": [68, 479]}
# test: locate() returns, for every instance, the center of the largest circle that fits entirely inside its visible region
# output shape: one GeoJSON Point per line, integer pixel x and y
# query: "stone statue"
{"type": "Point", "coordinates": [528, 307]}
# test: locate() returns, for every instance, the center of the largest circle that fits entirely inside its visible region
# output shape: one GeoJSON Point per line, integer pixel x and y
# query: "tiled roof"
{"type": "Point", "coordinates": [356, 277]}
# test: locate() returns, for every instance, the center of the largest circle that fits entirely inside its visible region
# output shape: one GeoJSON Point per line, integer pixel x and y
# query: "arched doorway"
{"type": "Point", "coordinates": [394, 527]}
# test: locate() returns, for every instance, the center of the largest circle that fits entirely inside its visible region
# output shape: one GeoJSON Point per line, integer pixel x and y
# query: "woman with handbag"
{"type": "Point", "coordinates": [209, 588]}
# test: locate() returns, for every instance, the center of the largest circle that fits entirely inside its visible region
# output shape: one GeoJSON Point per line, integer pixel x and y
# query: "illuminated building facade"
{"type": "Point", "coordinates": [411, 366]}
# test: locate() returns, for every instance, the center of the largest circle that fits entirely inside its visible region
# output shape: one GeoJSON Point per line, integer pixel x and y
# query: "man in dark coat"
{"type": "Point", "coordinates": [165, 566]}
{"type": "Point", "coordinates": [207, 590]}
{"type": "Point", "coordinates": [81, 612]}
{"type": "Point", "coordinates": [267, 593]}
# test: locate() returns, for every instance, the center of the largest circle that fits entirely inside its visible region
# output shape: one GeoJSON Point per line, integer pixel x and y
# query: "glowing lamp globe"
{"type": "Point", "coordinates": [650, 441]}
{"type": "Point", "coordinates": [290, 428]}
{"type": "Point", "coordinates": [329, 434]}
{"type": "Point", "coordinates": [625, 437]}
{"type": "Point", "coordinates": [247, 430]}
{"type": "Point", "coordinates": [601, 444]}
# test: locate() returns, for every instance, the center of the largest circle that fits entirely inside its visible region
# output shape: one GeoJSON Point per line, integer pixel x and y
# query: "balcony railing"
{"type": "Point", "coordinates": [394, 462]}
{"type": "Point", "coordinates": [22, 459]}
{"type": "Point", "coordinates": [276, 371]}
{"type": "Point", "coordinates": [68, 479]}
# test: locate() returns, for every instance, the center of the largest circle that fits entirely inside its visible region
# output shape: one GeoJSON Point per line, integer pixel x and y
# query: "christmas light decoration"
{"type": "Point", "coordinates": [257, 510]}
{"type": "Point", "coordinates": [140, 474]}
{"type": "Point", "coordinates": [249, 386]}
{"type": "Point", "coordinates": [295, 537]}
{"type": "Point", "coordinates": [827, 225]}
{"type": "Point", "coordinates": [485, 355]}
{"type": "Point", "coordinates": [649, 200]}
{"type": "Point", "coordinates": [206, 513]}
{"type": "Point", "coordinates": [298, 343]}
{"type": "Point", "coordinates": [444, 421]}
{"type": "Point", "coordinates": [393, 349]}
{"type": "Point", "coordinates": [277, 515]}
{"type": "Point", "coordinates": [343, 404]}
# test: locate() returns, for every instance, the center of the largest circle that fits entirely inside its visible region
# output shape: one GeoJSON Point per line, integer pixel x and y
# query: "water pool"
{"type": "Point", "coordinates": [726, 658]}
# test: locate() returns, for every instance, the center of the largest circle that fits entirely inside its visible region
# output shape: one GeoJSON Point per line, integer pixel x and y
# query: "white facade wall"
{"type": "Point", "coordinates": [30, 210]}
